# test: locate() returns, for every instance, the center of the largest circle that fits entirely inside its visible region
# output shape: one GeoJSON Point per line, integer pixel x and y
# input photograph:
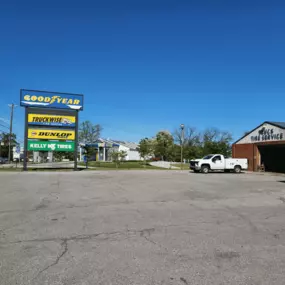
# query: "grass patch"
{"type": "Point", "coordinates": [40, 169]}
{"type": "Point", "coordinates": [5, 169]}
{"type": "Point", "coordinates": [94, 165]}
{"type": "Point", "coordinates": [185, 166]}
{"type": "Point", "coordinates": [123, 165]}
{"type": "Point", "coordinates": [53, 169]}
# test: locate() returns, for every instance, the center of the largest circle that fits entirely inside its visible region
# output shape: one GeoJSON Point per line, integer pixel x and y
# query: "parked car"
{"type": "Point", "coordinates": [215, 162]}
{"type": "Point", "coordinates": [3, 160]}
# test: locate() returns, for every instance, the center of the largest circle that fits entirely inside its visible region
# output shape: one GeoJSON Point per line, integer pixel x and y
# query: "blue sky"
{"type": "Point", "coordinates": [147, 65]}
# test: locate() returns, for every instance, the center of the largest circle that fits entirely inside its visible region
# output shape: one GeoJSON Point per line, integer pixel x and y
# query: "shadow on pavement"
{"type": "Point", "coordinates": [53, 169]}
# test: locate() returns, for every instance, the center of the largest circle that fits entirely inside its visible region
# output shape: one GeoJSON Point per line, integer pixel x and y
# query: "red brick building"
{"type": "Point", "coordinates": [265, 145]}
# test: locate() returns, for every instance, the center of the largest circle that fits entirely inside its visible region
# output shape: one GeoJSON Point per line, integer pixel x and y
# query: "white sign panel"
{"type": "Point", "coordinates": [265, 133]}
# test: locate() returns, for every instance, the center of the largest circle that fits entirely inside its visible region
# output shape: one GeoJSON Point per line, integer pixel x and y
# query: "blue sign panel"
{"type": "Point", "coordinates": [44, 99]}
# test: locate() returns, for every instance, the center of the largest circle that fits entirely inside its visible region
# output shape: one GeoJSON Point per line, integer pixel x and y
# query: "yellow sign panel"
{"type": "Point", "coordinates": [51, 120]}
{"type": "Point", "coordinates": [51, 134]}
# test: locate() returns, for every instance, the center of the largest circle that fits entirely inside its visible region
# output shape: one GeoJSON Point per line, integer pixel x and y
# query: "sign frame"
{"type": "Point", "coordinates": [51, 111]}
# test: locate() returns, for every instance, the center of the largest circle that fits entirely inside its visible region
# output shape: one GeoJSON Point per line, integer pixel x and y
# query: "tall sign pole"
{"type": "Point", "coordinates": [76, 143]}
{"type": "Point", "coordinates": [11, 130]}
{"type": "Point", "coordinates": [26, 141]}
{"type": "Point", "coordinates": [182, 143]}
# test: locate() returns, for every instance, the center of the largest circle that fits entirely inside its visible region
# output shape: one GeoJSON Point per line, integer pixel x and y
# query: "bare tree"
{"type": "Point", "coordinates": [211, 134]}
{"type": "Point", "coordinates": [191, 136]}
{"type": "Point", "coordinates": [216, 135]}
{"type": "Point", "coordinates": [89, 132]}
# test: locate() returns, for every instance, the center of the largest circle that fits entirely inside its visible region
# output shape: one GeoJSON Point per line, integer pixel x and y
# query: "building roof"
{"type": "Point", "coordinates": [130, 145]}
{"type": "Point", "coordinates": [280, 125]}
{"type": "Point", "coordinates": [277, 124]}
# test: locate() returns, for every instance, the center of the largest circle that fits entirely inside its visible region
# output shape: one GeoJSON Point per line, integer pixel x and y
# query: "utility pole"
{"type": "Point", "coordinates": [182, 143]}
{"type": "Point", "coordinates": [11, 129]}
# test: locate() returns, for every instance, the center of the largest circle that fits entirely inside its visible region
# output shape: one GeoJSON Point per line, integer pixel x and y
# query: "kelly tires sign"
{"type": "Point", "coordinates": [50, 146]}
{"type": "Point", "coordinates": [51, 134]}
{"type": "Point", "coordinates": [51, 120]}
{"type": "Point", "coordinates": [43, 99]}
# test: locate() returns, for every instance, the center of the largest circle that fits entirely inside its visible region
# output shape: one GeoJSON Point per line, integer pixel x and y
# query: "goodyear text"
{"type": "Point", "coordinates": [43, 99]}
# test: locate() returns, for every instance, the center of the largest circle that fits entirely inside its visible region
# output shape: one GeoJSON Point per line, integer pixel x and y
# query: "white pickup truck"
{"type": "Point", "coordinates": [215, 162]}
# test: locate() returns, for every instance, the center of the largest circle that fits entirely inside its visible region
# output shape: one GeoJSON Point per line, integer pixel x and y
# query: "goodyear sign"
{"type": "Point", "coordinates": [43, 99]}
{"type": "Point", "coordinates": [50, 146]}
{"type": "Point", "coordinates": [51, 120]}
{"type": "Point", "coordinates": [49, 134]}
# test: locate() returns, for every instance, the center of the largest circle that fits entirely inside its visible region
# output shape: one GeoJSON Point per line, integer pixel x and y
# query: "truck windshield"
{"type": "Point", "coordinates": [208, 156]}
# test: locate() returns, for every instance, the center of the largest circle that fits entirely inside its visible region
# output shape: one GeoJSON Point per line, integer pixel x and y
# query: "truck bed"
{"type": "Point", "coordinates": [230, 163]}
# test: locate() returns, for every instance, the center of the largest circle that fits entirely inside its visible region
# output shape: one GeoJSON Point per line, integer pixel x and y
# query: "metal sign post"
{"type": "Point", "coordinates": [25, 162]}
{"type": "Point", "coordinates": [76, 143]}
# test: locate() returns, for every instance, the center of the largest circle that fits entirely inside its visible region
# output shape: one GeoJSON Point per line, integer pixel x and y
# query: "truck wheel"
{"type": "Point", "coordinates": [237, 169]}
{"type": "Point", "coordinates": [205, 169]}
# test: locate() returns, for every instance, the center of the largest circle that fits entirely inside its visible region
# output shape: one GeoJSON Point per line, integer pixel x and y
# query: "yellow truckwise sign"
{"type": "Point", "coordinates": [51, 134]}
{"type": "Point", "coordinates": [51, 120]}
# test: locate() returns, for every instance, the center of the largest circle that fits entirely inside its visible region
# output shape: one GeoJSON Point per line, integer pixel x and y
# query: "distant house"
{"type": "Point", "coordinates": [106, 146]}
{"type": "Point", "coordinates": [131, 148]}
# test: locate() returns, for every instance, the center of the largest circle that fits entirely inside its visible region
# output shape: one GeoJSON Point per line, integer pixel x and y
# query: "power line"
{"type": "Point", "coordinates": [4, 120]}
{"type": "Point", "coordinates": [4, 126]}
{"type": "Point", "coordinates": [4, 132]}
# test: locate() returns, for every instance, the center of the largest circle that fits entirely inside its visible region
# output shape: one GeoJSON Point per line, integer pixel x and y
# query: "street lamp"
{"type": "Point", "coordinates": [182, 142]}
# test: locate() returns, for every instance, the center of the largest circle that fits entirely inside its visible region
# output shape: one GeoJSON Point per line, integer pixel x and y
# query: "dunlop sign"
{"type": "Point", "coordinates": [51, 120]}
{"type": "Point", "coordinates": [43, 99]}
{"type": "Point", "coordinates": [50, 146]}
{"type": "Point", "coordinates": [51, 134]}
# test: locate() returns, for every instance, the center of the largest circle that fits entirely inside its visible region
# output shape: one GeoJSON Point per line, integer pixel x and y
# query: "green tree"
{"type": "Point", "coordinates": [195, 144]}
{"type": "Point", "coordinates": [89, 132]}
{"type": "Point", "coordinates": [195, 151]}
{"type": "Point", "coordinates": [59, 155]}
{"type": "Point", "coordinates": [146, 148]}
{"type": "Point", "coordinates": [123, 155]}
{"type": "Point", "coordinates": [192, 143]}
{"type": "Point", "coordinates": [89, 152]}
{"type": "Point", "coordinates": [4, 144]}
{"type": "Point", "coordinates": [216, 141]}
{"type": "Point", "coordinates": [118, 156]}
{"type": "Point", "coordinates": [163, 146]}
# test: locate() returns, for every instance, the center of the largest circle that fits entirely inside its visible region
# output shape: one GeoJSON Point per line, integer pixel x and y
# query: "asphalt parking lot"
{"type": "Point", "coordinates": [141, 227]}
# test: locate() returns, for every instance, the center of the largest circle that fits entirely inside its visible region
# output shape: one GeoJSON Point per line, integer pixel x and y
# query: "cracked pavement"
{"type": "Point", "coordinates": [141, 227]}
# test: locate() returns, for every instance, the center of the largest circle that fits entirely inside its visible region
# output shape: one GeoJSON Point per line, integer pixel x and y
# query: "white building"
{"type": "Point", "coordinates": [131, 148]}
{"type": "Point", "coordinates": [106, 146]}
